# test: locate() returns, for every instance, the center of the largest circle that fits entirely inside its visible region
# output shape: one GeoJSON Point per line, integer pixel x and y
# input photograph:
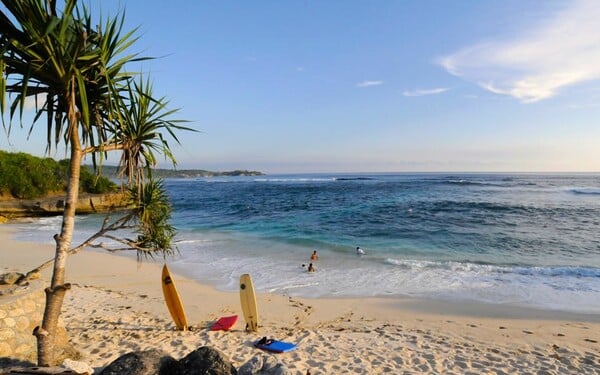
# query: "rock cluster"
{"type": "Point", "coordinates": [54, 205]}
{"type": "Point", "coordinates": [204, 360]}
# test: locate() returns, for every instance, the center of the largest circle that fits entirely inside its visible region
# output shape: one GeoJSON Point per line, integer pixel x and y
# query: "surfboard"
{"type": "Point", "coordinates": [276, 346]}
{"type": "Point", "coordinates": [224, 323]}
{"type": "Point", "coordinates": [248, 300]}
{"type": "Point", "coordinates": [173, 300]}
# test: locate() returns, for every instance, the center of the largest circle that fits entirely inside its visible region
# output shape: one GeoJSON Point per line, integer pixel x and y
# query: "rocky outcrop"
{"type": "Point", "coordinates": [54, 205]}
{"type": "Point", "coordinates": [204, 360]}
{"type": "Point", "coordinates": [263, 365]}
{"type": "Point", "coordinates": [146, 362]}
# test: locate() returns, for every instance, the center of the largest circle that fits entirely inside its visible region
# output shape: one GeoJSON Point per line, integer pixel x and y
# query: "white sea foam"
{"type": "Point", "coordinates": [295, 179]}
{"type": "Point", "coordinates": [352, 276]}
{"type": "Point", "coordinates": [49, 223]}
{"type": "Point", "coordinates": [220, 260]}
{"type": "Point", "coordinates": [287, 288]}
{"type": "Point", "coordinates": [585, 190]}
{"type": "Point", "coordinates": [181, 242]}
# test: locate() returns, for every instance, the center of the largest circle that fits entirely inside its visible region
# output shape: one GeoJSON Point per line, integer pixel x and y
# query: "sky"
{"type": "Point", "coordinates": [372, 86]}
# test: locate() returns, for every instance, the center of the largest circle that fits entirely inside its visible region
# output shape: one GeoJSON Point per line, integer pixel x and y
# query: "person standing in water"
{"type": "Point", "coordinates": [311, 268]}
{"type": "Point", "coordinates": [359, 251]}
{"type": "Point", "coordinates": [314, 257]}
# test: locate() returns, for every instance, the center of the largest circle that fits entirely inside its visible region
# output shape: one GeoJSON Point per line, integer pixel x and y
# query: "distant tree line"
{"type": "Point", "coordinates": [112, 172]}
{"type": "Point", "coordinates": [26, 176]}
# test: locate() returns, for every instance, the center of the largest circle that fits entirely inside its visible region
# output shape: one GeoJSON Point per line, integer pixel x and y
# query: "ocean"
{"type": "Point", "coordinates": [529, 240]}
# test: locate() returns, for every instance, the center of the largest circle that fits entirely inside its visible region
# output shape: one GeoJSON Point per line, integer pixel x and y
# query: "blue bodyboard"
{"type": "Point", "coordinates": [276, 346]}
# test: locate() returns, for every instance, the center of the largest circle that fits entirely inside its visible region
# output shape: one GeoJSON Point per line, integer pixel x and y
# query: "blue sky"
{"type": "Point", "coordinates": [374, 86]}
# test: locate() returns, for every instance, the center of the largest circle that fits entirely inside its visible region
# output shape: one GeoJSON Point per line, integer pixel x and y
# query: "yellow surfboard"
{"type": "Point", "coordinates": [248, 300]}
{"type": "Point", "coordinates": [173, 300]}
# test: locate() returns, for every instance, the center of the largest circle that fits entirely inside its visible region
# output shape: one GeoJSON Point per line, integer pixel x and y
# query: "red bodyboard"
{"type": "Point", "coordinates": [224, 323]}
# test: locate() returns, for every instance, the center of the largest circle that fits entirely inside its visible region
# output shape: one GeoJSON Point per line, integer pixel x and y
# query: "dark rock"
{"type": "Point", "coordinates": [253, 366]}
{"type": "Point", "coordinates": [206, 361]}
{"type": "Point", "coordinates": [149, 362]}
{"type": "Point", "coordinates": [202, 361]}
{"type": "Point", "coordinates": [263, 365]}
{"type": "Point", "coordinates": [10, 278]}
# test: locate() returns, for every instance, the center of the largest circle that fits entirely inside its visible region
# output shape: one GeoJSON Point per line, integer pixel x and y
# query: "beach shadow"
{"type": "Point", "coordinates": [121, 327]}
{"type": "Point", "coordinates": [250, 343]}
{"type": "Point", "coordinates": [6, 362]}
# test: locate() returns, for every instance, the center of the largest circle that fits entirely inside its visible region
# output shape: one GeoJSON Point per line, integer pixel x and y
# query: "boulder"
{"type": "Point", "coordinates": [202, 361]}
{"type": "Point", "coordinates": [263, 365]}
{"type": "Point", "coordinates": [253, 366]}
{"type": "Point", "coordinates": [148, 362]}
{"type": "Point", "coordinates": [10, 278]}
{"type": "Point", "coordinates": [206, 361]}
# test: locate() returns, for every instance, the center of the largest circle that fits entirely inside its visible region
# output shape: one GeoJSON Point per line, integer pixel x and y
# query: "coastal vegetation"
{"type": "Point", "coordinates": [26, 176]}
{"type": "Point", "coordinates": [75, 69]}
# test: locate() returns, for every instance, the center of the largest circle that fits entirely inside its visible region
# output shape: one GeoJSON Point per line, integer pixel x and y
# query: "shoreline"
{"type": "Point", "coordinates": [116, 307]}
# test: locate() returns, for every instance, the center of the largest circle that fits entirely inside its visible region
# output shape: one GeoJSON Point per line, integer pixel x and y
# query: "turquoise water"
{"type": "Point", "coordinates": [528, 240]}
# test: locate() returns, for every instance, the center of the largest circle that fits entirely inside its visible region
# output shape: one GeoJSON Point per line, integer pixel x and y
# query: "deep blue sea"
{"type": "Point", "coordinates": [519, 239]}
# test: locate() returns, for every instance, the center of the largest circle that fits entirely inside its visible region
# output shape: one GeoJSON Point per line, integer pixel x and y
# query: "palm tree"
{"type": "Point", "coordinates": [138, 130]}
{"type": "Point", "coordinates": [75, 73]}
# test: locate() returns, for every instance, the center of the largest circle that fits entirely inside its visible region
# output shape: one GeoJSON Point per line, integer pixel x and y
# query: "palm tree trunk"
{"type": "Point", "coordinates": [55, 294]}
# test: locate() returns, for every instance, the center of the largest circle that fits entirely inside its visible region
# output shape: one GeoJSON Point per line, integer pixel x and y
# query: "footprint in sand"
{"type": "Point", "coordinates": [294, 302]}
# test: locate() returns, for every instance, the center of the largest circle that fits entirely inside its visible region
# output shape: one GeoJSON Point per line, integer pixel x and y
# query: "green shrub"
{"type": "Point", "coordinates": [92, 183]}
{"type": "Point", "coordinates": [26, 177]}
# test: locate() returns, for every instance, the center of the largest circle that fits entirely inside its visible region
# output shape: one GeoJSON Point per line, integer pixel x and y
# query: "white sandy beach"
{"type": "Point", "coordinates": [116, 306]}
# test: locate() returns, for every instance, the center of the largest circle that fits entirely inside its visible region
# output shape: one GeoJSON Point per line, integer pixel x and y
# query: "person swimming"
{"type": "Point", "coordinates": [311, 268]}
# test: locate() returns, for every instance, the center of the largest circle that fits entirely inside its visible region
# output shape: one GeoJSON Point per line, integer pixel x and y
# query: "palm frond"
{"type": "Point", "coordinates": [139, 128]}
{"type": "Point", "coordinates": [153, 212]}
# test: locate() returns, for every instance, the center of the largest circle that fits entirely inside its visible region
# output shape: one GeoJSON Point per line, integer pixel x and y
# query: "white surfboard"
{"type": "Point", "coordinates": [248, 300]}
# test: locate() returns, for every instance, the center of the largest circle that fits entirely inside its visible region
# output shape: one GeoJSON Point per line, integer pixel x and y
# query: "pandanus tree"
{"type": "Point", "coordinates": [74, 70]}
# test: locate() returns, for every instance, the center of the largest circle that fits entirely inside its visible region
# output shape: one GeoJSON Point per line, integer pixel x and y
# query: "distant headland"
{"type": "Point", "coordinates": [111, 172]}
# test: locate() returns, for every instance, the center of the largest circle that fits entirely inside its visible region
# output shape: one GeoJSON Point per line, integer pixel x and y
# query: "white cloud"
{"type": "Point", "coordinates": [420, 92]}
{"type": "Point", "coordinates": [563, 51]}
{"type": "Point", "coordinates": [369, 83]}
